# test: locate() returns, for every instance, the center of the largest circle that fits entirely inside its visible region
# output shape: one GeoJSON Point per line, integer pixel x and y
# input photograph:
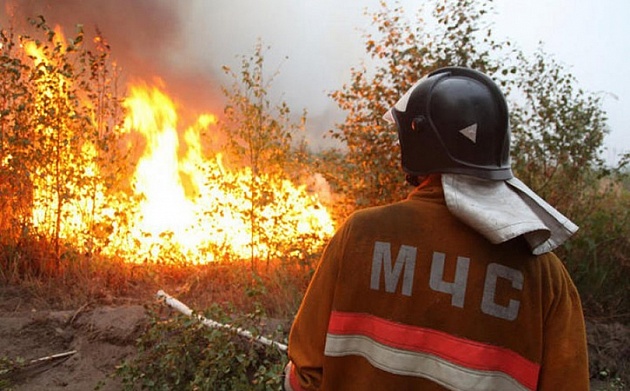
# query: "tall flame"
{"type": "Point", "coordinates": [157, 175]}
{"type": "Point", "coordinates": [185, 200]}
{"type": "Point", "coordinates": [206, 214]}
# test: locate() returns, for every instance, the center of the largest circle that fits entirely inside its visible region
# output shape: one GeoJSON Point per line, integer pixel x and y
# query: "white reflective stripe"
{"type": "Point", "coordinates": [389, 117]}
{"type": "Point", "coordinates": [401, 104]}
{"type": "Point", "coordinates": [470, 132]}
{"type": "Point", "coordinates": [408, 363]}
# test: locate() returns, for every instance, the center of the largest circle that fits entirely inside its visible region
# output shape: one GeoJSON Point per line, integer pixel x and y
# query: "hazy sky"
{"type": "Point", "coordinates": [323, 39]}
{"type": "Point", "coordinates": [315, 43]}
{"type": "Point", "coordinates": [592, 38]}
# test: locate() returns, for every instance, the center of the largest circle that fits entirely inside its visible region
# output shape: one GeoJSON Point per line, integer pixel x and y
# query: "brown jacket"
{"type": "Point", "coordinates": [406, 297]}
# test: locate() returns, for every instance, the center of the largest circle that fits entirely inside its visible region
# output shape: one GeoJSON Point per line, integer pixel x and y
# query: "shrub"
{"type": "Point", "coordinates": [181, 353]}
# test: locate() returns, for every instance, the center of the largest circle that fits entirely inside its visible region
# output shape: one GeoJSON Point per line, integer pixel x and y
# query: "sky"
{"type": "Point", "coordinates": [324, 39]}
{"type": "Point", "coordinates": [314, 44]}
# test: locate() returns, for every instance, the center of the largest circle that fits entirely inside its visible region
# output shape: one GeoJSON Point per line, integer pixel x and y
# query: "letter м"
{"type": "Point", "coordinates": [382, 260]}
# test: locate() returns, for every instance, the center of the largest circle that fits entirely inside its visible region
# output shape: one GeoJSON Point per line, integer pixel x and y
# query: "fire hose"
{"type": "Point", "coordinates": [184, 309]}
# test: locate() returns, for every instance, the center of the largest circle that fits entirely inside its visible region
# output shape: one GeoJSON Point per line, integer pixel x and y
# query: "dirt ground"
{"type": "Point", "coordinates": [95, 339]}
{"type": "Point", "coordinates": [92, 341]}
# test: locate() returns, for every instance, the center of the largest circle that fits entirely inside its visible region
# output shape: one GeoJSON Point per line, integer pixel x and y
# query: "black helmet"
{"type": "Point", "coordinates": [454, 120]}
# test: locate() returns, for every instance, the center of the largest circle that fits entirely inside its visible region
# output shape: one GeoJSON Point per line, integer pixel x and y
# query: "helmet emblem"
{"type": "Point", "coordinates": [470, 132]}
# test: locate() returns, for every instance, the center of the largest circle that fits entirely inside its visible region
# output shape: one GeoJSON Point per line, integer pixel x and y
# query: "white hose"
{"type": "Point", "coordinates": [184, 309]}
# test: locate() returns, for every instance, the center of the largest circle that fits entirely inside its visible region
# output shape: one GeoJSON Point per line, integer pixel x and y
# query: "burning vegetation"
{"type": "Point", "coordinates": [123, 175]}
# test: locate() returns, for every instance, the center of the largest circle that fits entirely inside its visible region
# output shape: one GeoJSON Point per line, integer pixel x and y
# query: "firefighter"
{"type": "Point", "coordinates": [456, 287]}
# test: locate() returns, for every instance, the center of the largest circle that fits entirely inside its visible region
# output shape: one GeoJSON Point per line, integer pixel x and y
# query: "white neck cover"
{"type": "Point", "coordinates": [503, 210]}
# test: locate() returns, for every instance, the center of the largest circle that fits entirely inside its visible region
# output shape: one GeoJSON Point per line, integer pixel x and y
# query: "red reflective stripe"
{"type": "Point", "coordinates": [463, 352]}
{"type": "Point", "coordinates": [293, 378]}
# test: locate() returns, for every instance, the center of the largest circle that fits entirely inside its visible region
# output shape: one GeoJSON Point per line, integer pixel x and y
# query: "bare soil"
{"type": "Point", "coordinates": [93, 340]}
{"type": "Point", "coordinates": [97, 338]}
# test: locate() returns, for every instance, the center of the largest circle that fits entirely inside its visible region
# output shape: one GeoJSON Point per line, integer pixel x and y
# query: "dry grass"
{"type": "Point", "coordinates": [73, 280]}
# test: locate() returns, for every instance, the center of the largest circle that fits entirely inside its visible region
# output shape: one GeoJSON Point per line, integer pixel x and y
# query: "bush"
{"type": "Point", "coordinates": [597, 257]}
{"type": "Point", "coordinates": [181, 353]}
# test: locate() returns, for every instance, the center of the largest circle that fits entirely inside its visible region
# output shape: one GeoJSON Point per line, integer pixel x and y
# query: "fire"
{"type": "Point", "coordinates": [157, 176]}
{"type": "Point", "coordinates": [187, 202]}
{"type": "Point", "coordinates": [211, 211]}
{"type": "Point", "coordinates": [53, 93]}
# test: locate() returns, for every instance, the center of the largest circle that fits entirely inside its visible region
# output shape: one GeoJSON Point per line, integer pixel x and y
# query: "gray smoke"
{"type": "Point", "coordinates": [145, 37]}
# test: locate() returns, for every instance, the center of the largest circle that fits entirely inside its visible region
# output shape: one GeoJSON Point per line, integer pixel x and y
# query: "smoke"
{"type": "Point", "coordinates": [310, 48]}
{"type": "Point", "coordinates": [145, 36]}
{"type": "Point", "coordinates": [186, 44]}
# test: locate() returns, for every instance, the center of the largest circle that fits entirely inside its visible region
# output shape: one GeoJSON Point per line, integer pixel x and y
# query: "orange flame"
{"type": "Point", "coordinates": [207, 214]}
{"type": "Point", "coordinates": [186, 201]}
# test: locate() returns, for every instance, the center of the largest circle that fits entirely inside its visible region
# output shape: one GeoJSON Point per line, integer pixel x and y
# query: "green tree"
{"type": "Point", "coordinates": [259, 132]}
{"type": "Point", "coordinates": [401, 52]}
{"type": "Point", "coordinates": [260, 136]}
{"type": "Point", "coordinates": [58, 141]}
{"type": "Point", "coordinates": [16, 111]}
{"type": "Point", "coordinates": [106, 181]}
{"type": "Point", "coordinates": [558, 129]}
{"type": "Point", "coordinates": [558, 132]}
{"type": "Point", "coordinates": [58, 127]}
